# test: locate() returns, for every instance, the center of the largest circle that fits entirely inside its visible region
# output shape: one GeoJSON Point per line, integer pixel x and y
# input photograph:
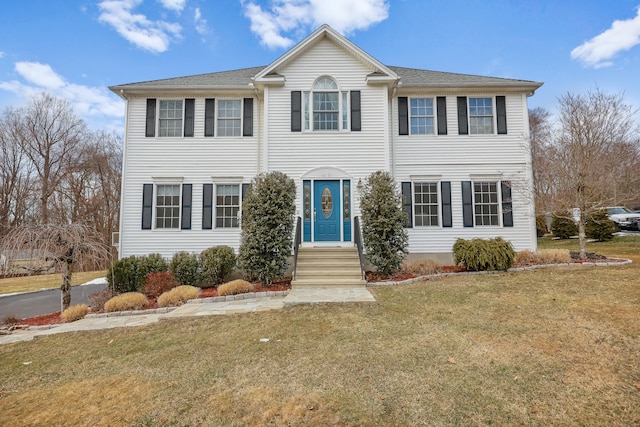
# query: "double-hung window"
{"type": "Point", "coordinates": [421, 116]}
{"type": "Point", "coordinates": [227, 205]}
{"type": "Point", "coordinates": [229, 117]}
{"type": "Point", "coordinates": [480, 116]}
{"type": "Point", "coordinates": [485, 203]}
{"type": "Point", "coordinates": [170, 118]}
{"type": "Point", "coordinates": [168, 206]}
{"type": "Point", "coordinates": [326, 108]}
{"type": "Point", "coordinates": [425, 203]}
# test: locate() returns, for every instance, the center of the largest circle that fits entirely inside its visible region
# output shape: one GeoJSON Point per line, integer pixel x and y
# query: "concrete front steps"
{"type": "Point", "coordinates": [328, 267]}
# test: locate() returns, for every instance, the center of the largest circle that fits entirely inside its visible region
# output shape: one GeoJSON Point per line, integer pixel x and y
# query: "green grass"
{"type": "Point", "coordinates": [34, 283]}
{"type": "Point", "coordinates": [554, 346]}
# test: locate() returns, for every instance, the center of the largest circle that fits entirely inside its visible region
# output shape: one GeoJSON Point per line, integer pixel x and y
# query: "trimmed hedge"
{"type": "Point", "coordinates": [129, 274]}
{"type": "Point", "coordinates": [484, 254]}
{"type": "Point", "coordinates": [216, 263]}
{"type": "Point", "coordinates": [186, 268]}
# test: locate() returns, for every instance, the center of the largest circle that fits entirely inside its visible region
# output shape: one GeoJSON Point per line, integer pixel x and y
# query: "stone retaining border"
{"type": "Point", "coordinates": [623, 261]}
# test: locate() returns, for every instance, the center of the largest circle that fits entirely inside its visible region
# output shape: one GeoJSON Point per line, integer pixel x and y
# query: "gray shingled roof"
{"type": "Point", "coordinates": [409, 78]}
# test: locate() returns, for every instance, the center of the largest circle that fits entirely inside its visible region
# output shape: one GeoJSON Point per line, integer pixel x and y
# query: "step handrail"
{"type": "Point", "coordinates": [296, 244]}
{"type": "Point", "coordinates": [357, 237]}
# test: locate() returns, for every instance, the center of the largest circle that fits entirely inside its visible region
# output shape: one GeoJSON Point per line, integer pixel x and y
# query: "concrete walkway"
{"type": "Point", "coordinates": [199, 307]}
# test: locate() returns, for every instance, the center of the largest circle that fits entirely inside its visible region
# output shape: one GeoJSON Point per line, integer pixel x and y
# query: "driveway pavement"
{"type": "Point", "coordinates": [30, 304]}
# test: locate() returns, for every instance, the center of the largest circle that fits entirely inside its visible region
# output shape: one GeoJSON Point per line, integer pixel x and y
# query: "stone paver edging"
{"type": "Point", "coordinates": [511, 270]}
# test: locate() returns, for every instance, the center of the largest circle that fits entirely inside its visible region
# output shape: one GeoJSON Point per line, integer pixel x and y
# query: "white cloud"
{"type": "Point", "coordinates": [1, 54]}
{"type": "Point", "coordinates": [274, 24]}
{"type": "Point", "coordinates": [88, 102]}
{"type": "Point", "coordinates": [598, 52]}
{"type": "Point", "coordinates": [176, 5]}
{"type": "Point", "coordinates": [154, 36]}
{"type": "Point", "coordinates": [200, 23]}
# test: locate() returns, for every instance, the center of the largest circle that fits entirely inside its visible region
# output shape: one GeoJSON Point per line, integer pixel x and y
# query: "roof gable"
{"type": "Point", "coordinates": [271, 74]}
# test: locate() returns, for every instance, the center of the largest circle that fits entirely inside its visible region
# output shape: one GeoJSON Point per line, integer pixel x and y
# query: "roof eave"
{"type": "Point", "coordinates": [525, 87]}
{"type": "Point", "coordinates": [184, 90]}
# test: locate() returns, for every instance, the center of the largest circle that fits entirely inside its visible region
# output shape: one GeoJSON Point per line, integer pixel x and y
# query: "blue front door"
{"type": "Point", "coordinates": [326, 202]}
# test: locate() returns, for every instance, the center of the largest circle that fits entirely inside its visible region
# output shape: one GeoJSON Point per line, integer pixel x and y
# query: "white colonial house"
{"type": "Point", "coordinates": [327, 114]}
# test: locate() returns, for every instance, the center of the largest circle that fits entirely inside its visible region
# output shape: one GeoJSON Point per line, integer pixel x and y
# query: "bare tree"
{"type": "Point", "coordinates": [594, 155]}
{"type": "Point", "coordinates": [50, 134]}
{"type": "Point", "coordinates": [66, 247]}
{"type": "Point", "coordinates": [15, 177]}
{"type": "Point", "coordinates": [541, 137]}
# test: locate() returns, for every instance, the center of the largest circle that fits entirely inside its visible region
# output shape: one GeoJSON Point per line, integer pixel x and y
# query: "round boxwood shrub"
{"type": "Point", "coordinates": [599, 226]}
{"type": "Point", "coordinates": [563, 225]}
{"type": "Point", "coordinates": [216, 264]}
{"type": "Point", "coordinates": [129, 274]}
{"type": "Point", "coordinates": [186, 268]}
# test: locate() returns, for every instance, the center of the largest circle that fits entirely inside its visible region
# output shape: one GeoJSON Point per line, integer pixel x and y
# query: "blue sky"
{"type": "Point", "coordinates": [74, 49]}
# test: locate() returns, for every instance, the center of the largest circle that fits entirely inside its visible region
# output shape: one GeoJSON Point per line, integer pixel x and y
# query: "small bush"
{"type": "Point", "coordinates": [129, 274]}
{"type": "Point", "coordinates": [422, 267]}
{"type": "Point", "coordinates": [563, 225]}
{"type": "Point", "coordinates": [11, 320]}
{"type": "Point", "coordinates": [178, 296]}
{"type": "Point", "coordinates": [235, 287]}
{"type": "Point", "coordinates": [599, 226]}
{"type": "Point", "coordinates": [158, 283]}
{"type": "Point", "coordinates": [541, 225]}
{"type": "Point", "coordinates": [484, 254]}
{"type": "Point", "coordinates": [216, 264]}
{"type": "Point", "coordinates": [75, 312]}
{"type": "Point", "coordinates": [98, 299]}
{"type": "Point", "coordinates": [543, 256]}
{"type": "Point", "coordinates": [186, 268]}
{"type": "Point", "coordinates": [125, 302]}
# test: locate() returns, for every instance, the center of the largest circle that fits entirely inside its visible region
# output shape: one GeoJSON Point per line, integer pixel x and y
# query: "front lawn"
{"type": "Point", "coordinates": [554, 346]}
{"type": "Point", "coordinates": [44, 281]}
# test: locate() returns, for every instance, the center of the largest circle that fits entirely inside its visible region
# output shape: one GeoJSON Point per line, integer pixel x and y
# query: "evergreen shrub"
{"type": "Point", "coordinates": [541, 225]}
{"type": "Point", "coordinates": [563, 225]}
{"type": "Point", "coordinates": [484, 254]}
{"type": "Point", "coordinates": [129, 274]}
{"type": "Point", "coordinates": [383, 222]}
{"type": "Point", "coordinates": [186, 268]}
{"type": "Point", "coordinates": [267, 227]}
{"type": "Point", "coordinates": [599, 226]}
{"type": "Point", "coordinates": [216, 263]}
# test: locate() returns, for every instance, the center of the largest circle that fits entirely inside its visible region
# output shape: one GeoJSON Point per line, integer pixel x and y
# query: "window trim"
{"type": "Point", "coordinates": [159, 119]}
{"type": "Point", "coordinates": [437, 184]}
{"type": "Point", "coordinates": [493, 115]}
{"type": "Point", "coordinates": [157, 184]}
{"type": "Point", "coordinates": [344, 108]}
{"type": "Point", "coordinates": [498, 203]}
{"type": "Point", "coordinates": [225, 180]}
{"type": "Point", "coordinates": [433, 116]}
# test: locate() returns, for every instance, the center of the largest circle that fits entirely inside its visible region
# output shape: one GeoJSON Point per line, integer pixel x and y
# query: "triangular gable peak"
{"type": "Point", "coordinates": [380, 73]}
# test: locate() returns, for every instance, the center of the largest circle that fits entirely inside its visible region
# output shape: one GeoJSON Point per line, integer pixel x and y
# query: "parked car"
{"type": "Point", "coordinates": [624, 217]}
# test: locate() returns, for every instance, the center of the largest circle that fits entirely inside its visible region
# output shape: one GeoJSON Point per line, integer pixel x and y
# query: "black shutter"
{"type": "Point", "coordinates": [356, 124]}
{"type": "Point", "coordinates": [247, 117]}
{"type": "Point", "coordinates": [296, 111]}
{"type": "Point", "coordinates": [185, 221]}
{"type": "Point", "coordinates": [445, 190]}
{"type": "Point", "coordinates": [147, 206]}
{"type": "Point", "coordinates": [150, 130]}
{"type": "Point", "coordinates": [507, 206]}
{"type": "Point", "coordinates": [207, 206]}
{"type": "Point", "coordinates": [467, 204]}
{"type": "Point", "coordinates": [245, 188]}
{"type": "Point", "coordinates": [441, 103]}
{"type": "Point", "coordinates": [209, 116]}
{"type": "Point", "coordinates": [189, 112]}
{"type": "Point", "coordinates": [501, 108]}
{"type": "Point", "coordinates": [403, 115]}
{"type": "Point", "coordinates": [407, 203]}
{"type": "Point", "coordinates": [463, 125]}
